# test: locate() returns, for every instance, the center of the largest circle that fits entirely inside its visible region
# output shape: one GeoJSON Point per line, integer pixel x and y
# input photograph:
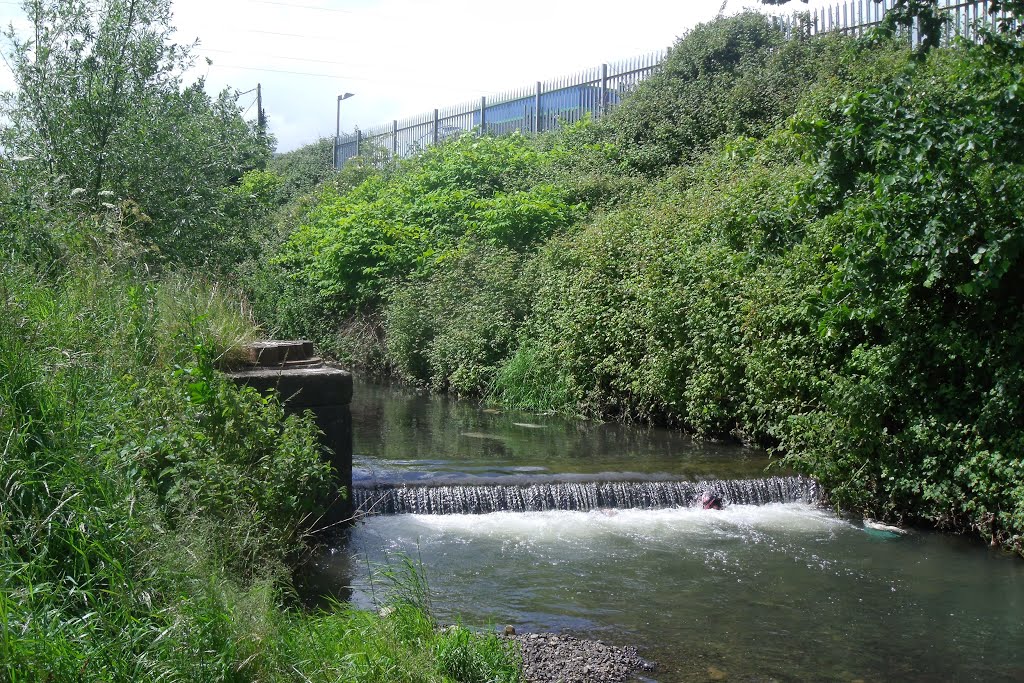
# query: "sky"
{"type": "Point", "coordinates": [401, 58]}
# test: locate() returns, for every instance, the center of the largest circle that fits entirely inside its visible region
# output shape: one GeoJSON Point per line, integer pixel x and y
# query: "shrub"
{"type": "Point", "coordinates": [351, 247]}
{"type": "Point", "coordinates": [729, 77]}
{"type": "Point", "coordinates": [454, 327]}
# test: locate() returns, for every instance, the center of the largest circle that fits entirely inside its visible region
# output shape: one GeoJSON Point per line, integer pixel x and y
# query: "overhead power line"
{"type": "Point", "coordinates": [299, 6]}
{"type": "Point", "coordinates": [293, 59]}
{"type": "Point", "coordinates": [370, 14]}
{"type": "Point", "coordinates": [346, 77]}
{"type": "Point", "coordinates": [304, 36]}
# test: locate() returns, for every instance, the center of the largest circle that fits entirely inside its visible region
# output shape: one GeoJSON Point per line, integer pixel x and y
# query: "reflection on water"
{"type": "Point", "coordinates": [754, 593]}
{"type": "Point", "coordinates": [406, 436]}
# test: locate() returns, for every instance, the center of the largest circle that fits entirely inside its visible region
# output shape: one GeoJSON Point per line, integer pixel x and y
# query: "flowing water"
{"type": "Point", "coordinates": [783, 591]}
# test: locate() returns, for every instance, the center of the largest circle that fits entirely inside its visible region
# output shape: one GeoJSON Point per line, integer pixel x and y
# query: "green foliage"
{"type": "Point", "coordinates": [148, 506]}
{"type": "Point", "coordinates": [405, 646]}
{"type": "Point", "coordinates": [91, 542]}
{"type": "Point", "coordinates": [813, 245]}
{"type": "Point", "coordinates": [859, 309]}
{"type": "Point", "coordinates": [529, 380]}
{"type": "Point", "coordinates": [101, 113]}
{"type": "Point", "coordinates": [922, 296]}
{"type": "Point", "coordinates": [150, 509]}
{"type": "Point", "coordinates": [734, 76]}
{"type": "Point", "coordinates": [640, 311]}
{"type": "Point", "coordinates": [228, 457]}
{"type": "Point", "coordinates": [305, 168]}
{"type": "Point", "coordinates": [352, 245]}
{"type": "Point", "coordinates": [846, 290]}
{"type": "Point", "coordinates": [452, 330]}
{"type": "Point", "coordinates": [924, 15]}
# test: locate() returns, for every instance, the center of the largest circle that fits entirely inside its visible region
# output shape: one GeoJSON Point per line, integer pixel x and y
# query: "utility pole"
{"type": "Point", "coordinates": [261, 117]}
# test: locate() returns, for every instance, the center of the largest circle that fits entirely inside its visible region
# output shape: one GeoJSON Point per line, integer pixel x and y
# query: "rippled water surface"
{"type": "Point", "coordinates": [784, 592]}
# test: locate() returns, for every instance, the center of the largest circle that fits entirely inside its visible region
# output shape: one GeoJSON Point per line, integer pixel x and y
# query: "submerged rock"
{"type": "Point", "coordinates": [879, 526]}
{"type": "Point", "coordinates": [550, 658]}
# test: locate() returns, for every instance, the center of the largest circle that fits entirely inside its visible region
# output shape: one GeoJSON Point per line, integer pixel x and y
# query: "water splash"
{"type": "Point", "coordinates": [578, 496]}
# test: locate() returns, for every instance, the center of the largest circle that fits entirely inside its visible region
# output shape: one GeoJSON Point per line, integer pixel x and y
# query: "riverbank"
{"type": "Point", "coordinates": [808, 244]}
{"type": "Point", "coordinates": [151, 510]}
{"type": "Point", "coordinates": [553, 658]}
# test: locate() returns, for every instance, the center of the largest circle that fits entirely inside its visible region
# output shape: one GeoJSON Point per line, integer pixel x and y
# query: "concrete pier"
{"type": "Point", "coordinates": [305, 382]}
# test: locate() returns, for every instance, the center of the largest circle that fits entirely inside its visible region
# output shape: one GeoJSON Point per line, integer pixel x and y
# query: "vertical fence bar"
{"type": "Point", "coordinates": [394, 139]}
{"type": "Point", "coordinates": [434, 134]}
{"type": "Point", "coordinates": [537, 127]}
{"type": "Point", "coordinates": [483, 115]}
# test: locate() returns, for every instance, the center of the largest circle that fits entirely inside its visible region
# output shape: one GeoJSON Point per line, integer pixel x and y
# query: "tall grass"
{"type": "Point", "coordinates": [402, 642]}
{"type": "Point", "coordinates": [530, 380]}
{"type": "Point", "coordinates": [149, 509]}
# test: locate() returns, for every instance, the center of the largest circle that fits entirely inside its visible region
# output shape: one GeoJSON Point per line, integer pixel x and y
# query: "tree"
{"type": "Point", "coordinates": [101, 105]}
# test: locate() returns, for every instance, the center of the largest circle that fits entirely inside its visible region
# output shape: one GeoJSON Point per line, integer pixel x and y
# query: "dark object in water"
{"type": "Point", "coordinates": [711, 501]}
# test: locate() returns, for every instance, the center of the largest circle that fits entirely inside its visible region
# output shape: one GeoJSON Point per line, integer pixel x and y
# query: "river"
{"type": "Point", "coordinates": [782, 591]}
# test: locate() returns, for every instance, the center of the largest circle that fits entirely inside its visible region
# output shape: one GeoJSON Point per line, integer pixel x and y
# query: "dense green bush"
{"type": "Point", "coordinates": [639, 314]}
{"type": "Point", "coordinates": [118, 468]}
{"type": "Point", "coordinates": [148, 506]}
{"type": "Point", "coordinates": [920, 302]}
{"type": "Point", "coordinates": [134, 141]}
{"type": "Point", "coordinates": [304, 168]}
{"type": "Point", "coordinates": [453, 329]}
{"type": "Point", "coordinates": [351, 246]}
{"type": "Point", "coordinates": [733, 76]}
{"type": "Point", "coordinates": [812, 245]}
{"type": "Point", "coordinates": [150, 510]}
{"type": "Point", "coordinates": [859, 309]}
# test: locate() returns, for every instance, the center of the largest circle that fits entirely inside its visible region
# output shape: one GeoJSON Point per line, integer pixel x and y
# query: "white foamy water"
{"type": "Point", "coordinates": [552, 527]}
{"type": "Point", "coordinates": [789, 591]}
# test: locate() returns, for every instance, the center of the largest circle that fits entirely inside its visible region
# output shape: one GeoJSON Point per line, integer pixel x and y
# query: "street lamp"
{"type": "Point", "coordinates": [337, 130]}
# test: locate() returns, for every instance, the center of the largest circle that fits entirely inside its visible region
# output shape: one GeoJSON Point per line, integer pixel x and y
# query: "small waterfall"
{"type": "Point", "coordinates": [578, 496]}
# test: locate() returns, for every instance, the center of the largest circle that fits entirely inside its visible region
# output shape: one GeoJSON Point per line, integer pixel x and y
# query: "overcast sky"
{"type": "Point", "coordinates": [405, 57]}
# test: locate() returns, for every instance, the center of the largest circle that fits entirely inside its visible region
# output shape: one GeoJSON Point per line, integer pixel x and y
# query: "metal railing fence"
{"type": "Point", "coordinates": [594, 92]}
{"type": "Point", "coordinates": [857, 17]}
{"type": "Point", "coordinates": [526, 110]}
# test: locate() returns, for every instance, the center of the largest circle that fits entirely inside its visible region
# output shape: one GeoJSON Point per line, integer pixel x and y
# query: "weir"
{"type": "Point", "coordinates": [576, 496]}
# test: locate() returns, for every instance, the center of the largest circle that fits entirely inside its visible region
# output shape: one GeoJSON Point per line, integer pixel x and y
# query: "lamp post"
{"type": "Point", "coordinates": [337, 131]}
